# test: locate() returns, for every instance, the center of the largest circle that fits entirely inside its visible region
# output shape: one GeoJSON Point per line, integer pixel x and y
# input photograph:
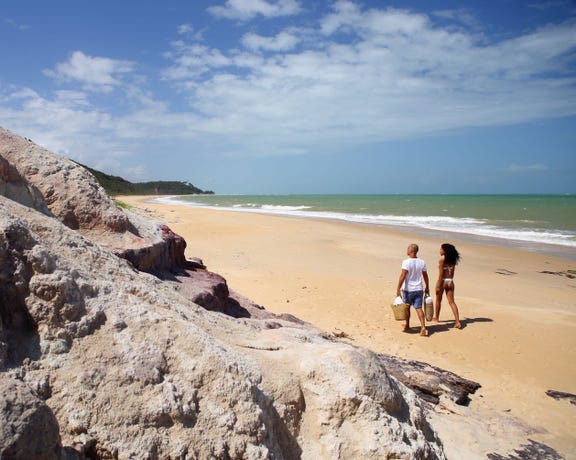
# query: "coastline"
{"type": "Point", "coordinates": [517, 306]}
{"type": "Point", "coordinates": [532, 223]}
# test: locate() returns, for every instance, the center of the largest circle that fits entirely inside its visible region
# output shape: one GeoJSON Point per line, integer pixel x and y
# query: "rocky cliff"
{"type": "Point", "coordinates": [114, 346]}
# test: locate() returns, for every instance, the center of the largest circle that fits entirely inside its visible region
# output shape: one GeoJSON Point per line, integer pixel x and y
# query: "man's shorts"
{"type": "Point", "coordinates": [413, 298]}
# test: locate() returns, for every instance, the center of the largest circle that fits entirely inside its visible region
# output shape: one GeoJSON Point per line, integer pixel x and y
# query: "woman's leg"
{"type": "Point", "coordinates": [439, 291]}
{"type": "Point", "coordinates": [454, 307]}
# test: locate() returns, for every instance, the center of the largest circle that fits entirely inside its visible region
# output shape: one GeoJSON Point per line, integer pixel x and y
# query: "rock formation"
{"type": "Point", "coordinates": [114, 346]}
{"type": "Point", "coordinates": [29, 428]}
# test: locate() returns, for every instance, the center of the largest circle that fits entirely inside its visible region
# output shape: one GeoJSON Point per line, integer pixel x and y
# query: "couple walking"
{"type": "Point", "coordinates": [411, 288]}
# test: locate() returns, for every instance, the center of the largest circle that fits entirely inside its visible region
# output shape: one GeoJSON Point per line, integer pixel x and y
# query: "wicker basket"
{"type": "Point", "coordinates": [400, 311]}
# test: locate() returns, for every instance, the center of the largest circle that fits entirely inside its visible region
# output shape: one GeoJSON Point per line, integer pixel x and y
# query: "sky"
{"type": "Point", "coordinates": [294, 96]}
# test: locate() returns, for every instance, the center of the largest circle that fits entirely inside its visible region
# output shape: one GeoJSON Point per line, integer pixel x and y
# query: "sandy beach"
{"type": "Point", "coordinates": [518, 308]}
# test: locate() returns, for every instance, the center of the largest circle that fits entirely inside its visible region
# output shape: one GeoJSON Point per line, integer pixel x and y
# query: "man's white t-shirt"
{"type": "Point", "coordinates": [415, 267]}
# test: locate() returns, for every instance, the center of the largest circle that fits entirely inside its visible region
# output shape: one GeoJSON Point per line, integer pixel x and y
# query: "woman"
{"type": "Point", "coordinates": [449, 258]}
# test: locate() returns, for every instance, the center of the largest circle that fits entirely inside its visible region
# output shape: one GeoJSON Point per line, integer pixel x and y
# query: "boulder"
{"type": "Point", "coordinates": [56, 186]}
{"type": "Point", "coordinates": [71, 193]}
{"type": "Point", "coordinates": [28, 428]}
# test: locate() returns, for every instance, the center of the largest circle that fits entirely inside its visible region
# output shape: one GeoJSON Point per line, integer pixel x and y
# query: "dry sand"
{"type": "Point", "coordinates": [519, 335]}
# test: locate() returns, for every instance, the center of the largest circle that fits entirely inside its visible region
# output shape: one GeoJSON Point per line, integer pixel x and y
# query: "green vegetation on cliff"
{"type": "Point", "coordinates": [115, 185]}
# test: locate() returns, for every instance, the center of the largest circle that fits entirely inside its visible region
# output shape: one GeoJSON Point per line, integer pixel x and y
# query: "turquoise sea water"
{"type": "Point", "coordinates": [543, 223]}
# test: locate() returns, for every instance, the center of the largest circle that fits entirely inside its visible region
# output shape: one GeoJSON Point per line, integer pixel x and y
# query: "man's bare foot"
{"type": "Point", "coordinates": [424, 332]}
{"type": "Point", "coordinates": [405, 328]}
{"type": "Point", "coordinates": [457, 325]}
{"type": "Point", "coordinates": [435, 320]}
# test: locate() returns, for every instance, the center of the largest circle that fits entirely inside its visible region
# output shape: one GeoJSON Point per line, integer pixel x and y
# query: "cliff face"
{"type": "Point", "coordinates": [70, 192]}
{"type": "Point", "coordinates": [99, 359]}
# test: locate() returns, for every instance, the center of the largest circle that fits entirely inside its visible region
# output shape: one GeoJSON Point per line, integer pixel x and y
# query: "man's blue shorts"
{"type": "Point", "coordinates": [413, 298]}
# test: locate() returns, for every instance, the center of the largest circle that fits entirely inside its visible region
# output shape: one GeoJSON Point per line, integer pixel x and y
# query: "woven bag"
{"type": "Point", "coordinates": [399, 309]}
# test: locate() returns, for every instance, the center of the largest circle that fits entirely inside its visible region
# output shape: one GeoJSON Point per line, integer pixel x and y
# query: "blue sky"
{"type": "Point", "coordinates": [293, 96]}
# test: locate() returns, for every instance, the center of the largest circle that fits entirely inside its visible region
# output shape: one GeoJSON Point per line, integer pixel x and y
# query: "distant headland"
{"type": "Point", "coordinates": [116, 185]}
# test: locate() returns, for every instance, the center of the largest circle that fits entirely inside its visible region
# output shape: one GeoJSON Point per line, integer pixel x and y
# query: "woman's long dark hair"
{"type": "Point", "coordinates": [451, 255]}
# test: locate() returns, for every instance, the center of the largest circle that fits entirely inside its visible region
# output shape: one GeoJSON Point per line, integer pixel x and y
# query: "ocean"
{"type": "Point", "coordinates": [538, 223]}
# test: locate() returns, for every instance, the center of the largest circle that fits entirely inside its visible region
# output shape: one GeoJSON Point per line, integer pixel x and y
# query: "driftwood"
{"type": "Point", "coordinates": [562, 395]}
{"type": "Point", "coordinates": [430, 382]}
{"type": "Point", "coordinates": [568, 274]}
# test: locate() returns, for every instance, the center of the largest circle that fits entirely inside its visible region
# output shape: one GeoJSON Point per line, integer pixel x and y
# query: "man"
{"type": "Point", "coordinates": [410, 286]}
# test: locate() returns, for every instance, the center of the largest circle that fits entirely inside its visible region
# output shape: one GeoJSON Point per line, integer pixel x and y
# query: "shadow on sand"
{"type": "Point", "coordinates": [444, 326]}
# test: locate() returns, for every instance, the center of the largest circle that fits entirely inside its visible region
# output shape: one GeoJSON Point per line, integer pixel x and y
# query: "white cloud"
{"type": "Point", "coordinates": [185, 29]}
{"type": "Point", "coordinates": [244, 10]}
{"type": "Point", "coordinates": [349, 17]}
{"type": "Point", "coordinates": [396, 75]}
{"type": "Point", "coordinates": [189, 31]}
{"type": "Point", "coordinates": [96, 73]}
{"type": "Point", "coordinates": [69, 126]}
{"type": "Point", "coordinates": [352, 78]}
{"type": "Point", "coordinates": [459, 16]}
{"type": "Point", "coordinates": [284, 41]}
{"type": "Point", "coordinates": [15, 24]}
{"type": "Point", "coordinates": [192, 60]}
{"type": "Point", "coordinates": [72, 98]}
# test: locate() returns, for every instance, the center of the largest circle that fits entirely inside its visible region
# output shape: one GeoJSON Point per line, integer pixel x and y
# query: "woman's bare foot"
{"type": "Point", "coordinates": [457, 325]}
{"type": "Point", "coordinates": [405, 328]}
{"type": "Point", "coordinates": [424, 332]}
{"type": "Point", "coordinates": [435, 320]}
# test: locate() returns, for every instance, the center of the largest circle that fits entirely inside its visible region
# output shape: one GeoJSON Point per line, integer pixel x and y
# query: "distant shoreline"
{"type": "Point", "coordinates": [555, 250]}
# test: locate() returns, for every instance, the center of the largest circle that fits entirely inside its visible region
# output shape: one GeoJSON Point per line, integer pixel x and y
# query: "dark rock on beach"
{"type": "Point", "coordinates": [430, 382]}
{"type": "Point", "coordinates": [562, 395]}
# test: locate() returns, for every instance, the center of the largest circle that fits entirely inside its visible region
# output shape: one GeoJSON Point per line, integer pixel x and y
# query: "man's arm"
{"type": "Point", "coordinates": [403, 274]}
{"type": "Point", "coordinates": [426, 281]}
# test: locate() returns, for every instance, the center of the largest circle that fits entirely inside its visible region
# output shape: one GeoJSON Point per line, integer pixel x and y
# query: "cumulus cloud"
{"type": "Point", "coordinates": [352, 77]}
{"type": "Point", "coordinates": [72, 98]}
{"type": "Point", "coordinates": [188, 30]}
{"type": "Point", "coordinates": [191, 60]}
{"type": "Point", "coordinates": [68, 124]}
{"type": "Point", "coordinates": [284, 41]}
{"type": "Point", "coordinates": [459, 16]}
{"type": "Point", "coordinates": [372, 75]}
{"type": "Point", "coordinates": [244, 10]}
{"type": "Point", "coordinates": [96, 73]}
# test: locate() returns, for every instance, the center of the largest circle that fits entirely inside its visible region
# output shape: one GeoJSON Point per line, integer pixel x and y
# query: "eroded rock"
{"type": "Point", "coordinates": [28, 428]}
